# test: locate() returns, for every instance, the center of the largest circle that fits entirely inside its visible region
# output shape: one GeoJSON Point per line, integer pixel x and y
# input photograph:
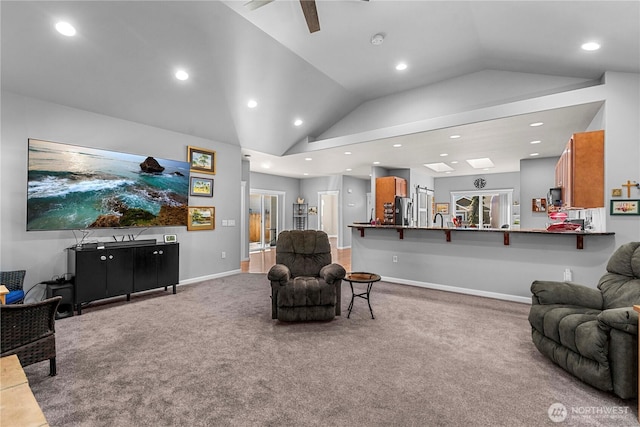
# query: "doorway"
{"type": "Point", "coordinates": [328, 220]}
{"type": "Point", "coordinates": [263, 219]}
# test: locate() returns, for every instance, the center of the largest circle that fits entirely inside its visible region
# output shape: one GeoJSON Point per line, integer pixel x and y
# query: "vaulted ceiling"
{"type": "Point", "coordinates": [123, 58]}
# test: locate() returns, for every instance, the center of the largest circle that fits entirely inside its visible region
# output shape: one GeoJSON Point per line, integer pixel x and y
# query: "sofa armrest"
{"type": "Point", "coordinates": [624, 319]}
{"type": "Point", "coordinates": [279, 273]}
{"type": "Point", "coordinates": [550, 292]}
{"type": "Point", "coordinates": [332, 273]}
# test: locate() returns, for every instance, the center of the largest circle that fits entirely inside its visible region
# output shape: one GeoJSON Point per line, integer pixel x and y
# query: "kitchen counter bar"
{"type": "Point", "coordinates": [505, 232]}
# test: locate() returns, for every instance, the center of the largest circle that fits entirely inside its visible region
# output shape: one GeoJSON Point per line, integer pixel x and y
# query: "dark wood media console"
{"type": "Point", "coordinates": [122, 268]}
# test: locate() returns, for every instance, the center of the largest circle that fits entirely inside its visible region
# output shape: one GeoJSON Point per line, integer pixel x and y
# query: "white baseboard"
{"type": "Point", "coordinates": [467, 291]}
{"type": "Point", "coordinates": [209, 277]}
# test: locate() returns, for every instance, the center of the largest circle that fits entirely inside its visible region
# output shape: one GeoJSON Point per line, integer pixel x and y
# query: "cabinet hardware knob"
{"type": "Point", "coordinates": [160, 252]}
{"type": "Point", "coordinates": [110, 256]}
{"type": "Point", "coordinates": [103, 258]}
{"type": "Point", "coordinates": [155, 252]}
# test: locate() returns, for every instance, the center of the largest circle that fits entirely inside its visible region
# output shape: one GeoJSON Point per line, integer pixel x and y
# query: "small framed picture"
{"type": "Point", "coordinates": [616, 192]}
{"type": "Point", "coordinates": [201, 218]}
{"type": "Point", "coordinates": [442, 208]}
{"type": "Point", "coordinates": [625, 207]}
{"type": "Point", "coordinates": [313, 210]}
{"type": "Point", "coordinates": [538, 205]}
{"type": "Point", "coordinates": [201, 186]}
{"type": "Point", "coordinates": [170, 238]}
{"type": "Point", "coordinates": [201, 160]}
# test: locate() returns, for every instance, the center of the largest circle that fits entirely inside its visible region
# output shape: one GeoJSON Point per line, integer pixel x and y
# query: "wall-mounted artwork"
{"type": "Point", "coordinates": [442, 208]}
{"type": "Point", "coordinates": [313, 210]}
{"type": "Point", "coordinates": [202, 160]}
{"type": "Point", "coordinates": [70, 187]}
{"type": "Point", "coordinates": [201, 218]}
{"type": "Point", "coordinates": [201, 187]}
{"type": "Point", "coordinates": [625, 207]}
{"type": "Point", "coordinates": [539, 205]}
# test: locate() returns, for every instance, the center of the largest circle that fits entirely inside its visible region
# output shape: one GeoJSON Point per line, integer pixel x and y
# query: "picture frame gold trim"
{"type": "Point", "coordinates": [201, 218]}
{"type": "Point", "coordinates": [201, 160]}
{"type": "Point", "coordinates": [442, 208]}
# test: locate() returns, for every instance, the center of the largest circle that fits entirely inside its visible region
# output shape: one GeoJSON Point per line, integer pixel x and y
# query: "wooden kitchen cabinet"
{"type": "Point", "coordinates": [387, 188]}
{"type": "Point", "coordinates": [580, 171]}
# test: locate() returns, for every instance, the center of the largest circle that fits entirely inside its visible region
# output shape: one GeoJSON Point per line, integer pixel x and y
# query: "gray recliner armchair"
{"type": "Point", "coordinates": [305, 285]}
{"type": "Point", "coordinates": [593, 333]}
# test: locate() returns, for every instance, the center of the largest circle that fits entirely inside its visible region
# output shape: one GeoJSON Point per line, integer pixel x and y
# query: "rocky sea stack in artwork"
{"type": "Point", "coordinates": [151, 165]}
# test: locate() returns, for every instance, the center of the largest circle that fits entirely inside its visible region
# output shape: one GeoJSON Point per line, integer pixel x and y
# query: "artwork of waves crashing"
{"type": "Point", "coordinates": [71, 187]}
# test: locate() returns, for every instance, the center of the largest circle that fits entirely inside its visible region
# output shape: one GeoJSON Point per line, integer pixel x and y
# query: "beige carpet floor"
{"type": "Point", "coordinates": [212, 356]}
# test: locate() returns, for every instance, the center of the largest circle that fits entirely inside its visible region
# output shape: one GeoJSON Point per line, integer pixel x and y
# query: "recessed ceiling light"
{"type": "Point", "coordinates": [535, 142]}
{"type": "Point", "coordinates": [448, 172]}
{"type": "Point", "coordinates": [401, 66]}
{"type": "Point", "coordinates": [347, 152]}
{"type": "Point", "coordinates": [536, 124]}
{"type": "Point", "coordinates": [308, 159]}
{"type": "Point", "coordinates": [397, 145]}
{"type": "Point", "coordinates": [182, 75]}
{"type": "Point", "coordinates": [443, 155]}
{"type": "Point", "coordinates": [348, 169]}
{"type": "Point", "coordinates": [439, 167]}
{"type": "Point", "coordinates": [265, 166]}
{"type": "Point", "coordinates": [590, 46]}
{"type": "Point", "coordinates": [481, 163]}
{"type": "Point", "coordinates": [534, 154]}
{"type": "Point", "coordinates": [306, 173]}
{"type": "Point", "coordinates": [454, 162]}
{"type": "Point", "coordinates": [65, 29]}
{"type": "Point", "coordinates": [298, 122]}
{"type": "Point", "coordinates": [376, 163]}
{"type": "Point", "coordinates": [454, 136]}
{"type": "Point", "coordinates": [252, 103]}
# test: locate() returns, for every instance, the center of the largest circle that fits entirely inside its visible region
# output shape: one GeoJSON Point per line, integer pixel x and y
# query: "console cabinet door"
{"type": "Point", "coordinates": [168, 264]}
{"type": "Point", "coordinates": [155, 266]}
{"type": "Point", "coordinates": [90, 275]}
{"type": "Point", "coordinates": [119, 272]}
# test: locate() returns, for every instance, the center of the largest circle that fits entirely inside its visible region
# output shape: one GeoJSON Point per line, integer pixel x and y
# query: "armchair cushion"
{"type": "Point", "coordinates": [14, 297]}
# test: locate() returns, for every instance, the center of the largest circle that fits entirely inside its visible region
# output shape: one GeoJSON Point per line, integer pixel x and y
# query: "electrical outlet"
{"type": "Point", "coordinates": [567, 275]}
{"type": "Point", "coordinates": [224, 255]}
{"type": "Point", "coordinates": [395, 258]}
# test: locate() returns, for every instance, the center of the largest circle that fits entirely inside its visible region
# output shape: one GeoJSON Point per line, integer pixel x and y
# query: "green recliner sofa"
{"type": "Point", "coordinates": [593, 333]}
{"type": "Point", "coordinates": [305, 285]}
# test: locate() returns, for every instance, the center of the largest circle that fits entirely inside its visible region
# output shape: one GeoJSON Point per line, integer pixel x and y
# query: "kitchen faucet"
{"type": "Point", "coordinates": [441, 219]}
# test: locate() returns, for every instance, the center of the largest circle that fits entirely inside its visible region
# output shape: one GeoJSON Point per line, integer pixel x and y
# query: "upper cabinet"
{"type": "Point", "coordinates": [580, 171]}
{"type": "Point", "coordinates": [387, 188]}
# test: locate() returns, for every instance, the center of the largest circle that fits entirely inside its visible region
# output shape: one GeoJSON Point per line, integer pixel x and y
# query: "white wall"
{"type": "Point", "coordinates": [42, 253]}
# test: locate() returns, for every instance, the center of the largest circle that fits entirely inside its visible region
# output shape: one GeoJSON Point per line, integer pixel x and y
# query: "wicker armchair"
{"type": "Point", "coordinates": [13, 280]}
{"type": "Point", "coordinates": [28, 330]}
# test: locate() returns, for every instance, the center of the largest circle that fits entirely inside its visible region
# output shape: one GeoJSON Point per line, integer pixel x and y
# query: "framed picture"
{"type": "Point", "coordinates": [170, 238]}
{"type": "Point", "coordinates": [625, 207]}
{"type": "Point", "coordinates": [201, 160]}
{"type": "Point", "coordinates": [201, 187]}
{"type": "Point", "coordinates": [313, 210]}
{"type": "Point", "coordinates": [442, 208]}
{"type": "Point", "coordinates": [201, 218]}
{"type": "Point", "coordinates": [538, 205]}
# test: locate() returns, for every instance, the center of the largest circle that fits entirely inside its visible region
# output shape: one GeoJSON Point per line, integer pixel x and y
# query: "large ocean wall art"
{"type": "Point", "coordinates": [72, 187]}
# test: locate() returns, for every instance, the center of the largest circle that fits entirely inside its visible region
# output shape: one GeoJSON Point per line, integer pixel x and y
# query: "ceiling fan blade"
{"type": "Point", "coordinates": [310, 15]}
{"type": "Point", "coordinates": [254, 4]}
